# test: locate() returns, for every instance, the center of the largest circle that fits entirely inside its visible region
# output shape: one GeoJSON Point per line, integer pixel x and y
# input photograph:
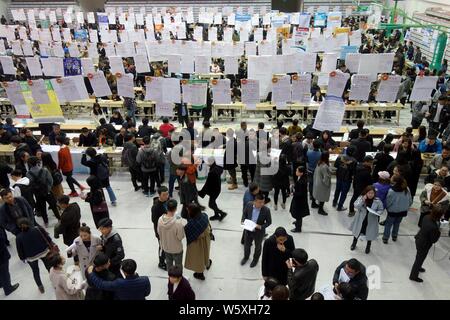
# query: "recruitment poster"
{"type": "Point", "coordinates": [43, 113]}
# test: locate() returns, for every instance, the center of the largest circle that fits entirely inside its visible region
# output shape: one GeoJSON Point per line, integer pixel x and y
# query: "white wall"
{"type": "Point", "coordinates": [410, 6]}
{"type": "Point", "coordinates": [4, 4]}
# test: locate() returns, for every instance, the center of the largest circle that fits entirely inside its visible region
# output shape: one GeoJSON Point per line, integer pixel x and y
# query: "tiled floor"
{"type": "Point", "coordinates": [326, 239]}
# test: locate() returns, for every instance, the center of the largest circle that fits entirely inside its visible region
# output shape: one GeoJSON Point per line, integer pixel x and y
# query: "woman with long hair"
{"type": "Point", "coordinates": [322, 182]}
{"type": "Point", "coordinates": [48, 163]}
{"type": "Point", "coordinates": [368, 210]}
{"type": "Point", "coordinates": [299, 204]}
{"type": "Point", "coordinates": [96, 200]}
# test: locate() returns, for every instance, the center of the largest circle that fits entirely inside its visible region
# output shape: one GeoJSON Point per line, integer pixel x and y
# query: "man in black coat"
{"type": "Point", "coordinates": [112, 245]}
{"type": "Point", "coordinates": [129, 154]}
{"type": "Point", "coordinates": [87, 138]}
{"type": "Point", "coordinates": [212, 187]}
{"type": "Point", "coordinates": [276, 250]}
{"type": "Point", "coordinates": [5, 278]}
{"type": "Point", "coordinates": [12, 210]}
{"type": "Point", "coordinates": [260, 215]}
{"type": "Point", "coordinates": [55, 133]}
{"type": "Point", "coordinates": [21, 147]}
{"type": "Point", "coordinates": [362, 179]}
{"type": "Point", "coordinates": [428, 235]}
{"type": "Point", "coordinates": [183, 290]}
{"type": "Point", "coordinates": [302, 275]}
{"type": "Point", "coordinates": [69, 225]}
{"type": "Point", "coordinates": [101, 265]}
{"type": "Point", "coordinates": [356, 271]}
{"type": "Point", "coordinates": [158, 209]}
{"type": "Point", "coordinates": [362, 145]}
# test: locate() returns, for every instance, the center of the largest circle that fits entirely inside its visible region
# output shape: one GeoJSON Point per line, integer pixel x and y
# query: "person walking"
{"type": "Point", "coordinates": [262, 179]}
{"type": "Point", "coordinates": [33, 244]}
{"type": "Point", "coordinates": [66, 166]}
{"type": "Point", "coordinates": [260, 215]}
{"type": "Point", "coordinates": [178, 288]}
{"type": "Point", "coordinates": [96, 199]}
{"type": "Point", "coordinates": [12, 210]}
{"type": "Point", "coordinates": [149, 159]}
{"type": "Point", "coordinates": [98, 165]}
{"type": "Point", "coordinates": [212, 187]}
{"type": "Point", "coordinates": [345, 166]}
{"type": "Point", "coordinates": [198, 239]}
{"type": "Point", "coordinates": [69, 225]}
{"type": "Point", "coordinates": [276, 250]}
{"type": "Point", "coordinates": [368, 211]}
{"type": "Point", "coordinates": [85, 248]}
{"type": "Point", "coordinates": [322, 182]}
{"type": "Point", "coordinates": [5, 277]}
{"type": "Point", "coordinates": [299, 204]}
{"type": "Point", "coordinates": [398, 201]}
{"type": "Point", "coordinates": [159, 208]}
{"type": "Point", "coordinates": [428, 234]}
{"type": "Point", "coordinates": [57, 189]}
{"type": "Point", "coordinates": [171, 233]}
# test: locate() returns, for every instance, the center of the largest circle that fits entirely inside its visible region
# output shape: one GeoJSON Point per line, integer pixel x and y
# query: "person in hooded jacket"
{"type": "Point", "coordinates": [158, 209]}
{"type": "Point", "coordinates": [21, 187]}
{"type": "Point", "coordinates": [171, 233]}
{"type": "Point", "coordinates": [212, 187]}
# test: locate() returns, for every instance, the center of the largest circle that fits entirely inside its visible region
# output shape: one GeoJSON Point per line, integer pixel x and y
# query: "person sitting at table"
{"type": "Point", "coordinates": [110, 130]}
{"type": "Point", "coordinates": [30, 140]}
{"type": "Point", "coordinates": [87, 138]}
{"type": "Point", "coordinates": [55, 132]}
{"type": "Point", "coordinates": [116, 119]}
{"type": "Point", "coordinates": [326, 141]}
{"type": "Point", "coordinates": [5, 136]}
{"type": "Point", "coordinates": [9, 126]}
{"type": "Point", "coordinates": [129, 122]}
{"type": "Point", "coordinates": [422, 135]}
{"type": "Point", "coordinates": [145, 130]}
{"type": "Point", "coordinates": [431, 145]}
{"type": "Point", "coordinates": [294, 128]}
{"type": "Point", "coordinates": [97, 112]}
{"type": "Point", "coordinates": [119, 138]}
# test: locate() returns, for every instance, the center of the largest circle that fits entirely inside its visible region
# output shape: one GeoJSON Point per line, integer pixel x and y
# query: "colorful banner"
{"type": "Point", "coordinates": [320, 19]}
{"type": "Point", "coordinates": [72, 67]}
{"type": "Point", "coordinates": [81, 35]}
{"type": "Point", "coordinates": [43, 113]}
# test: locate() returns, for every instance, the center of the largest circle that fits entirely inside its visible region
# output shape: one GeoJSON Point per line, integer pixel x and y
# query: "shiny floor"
{"type": "Point", "coordinates": [326, 239]}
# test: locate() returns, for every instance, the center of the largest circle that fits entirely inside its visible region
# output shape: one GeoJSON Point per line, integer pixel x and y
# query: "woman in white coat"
{"type": "Point", "coordinates": [86, 247]}
{"type": "Point", "coordinates": [59, 279]}
{"type": "Point", "coordinates": [368, 211]}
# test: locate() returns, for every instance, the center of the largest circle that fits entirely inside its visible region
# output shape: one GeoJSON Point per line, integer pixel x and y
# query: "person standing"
{"type": "Point", "coordinates": [354, 273]}
{"type": "Point", "coordinates": [433, 194]}
{"type": "Point", "coordinates": [260, 215]}
{"type": "Point", "coordinates": [276, 250]}
{"type": "Point", "coordinates": [212, 187]}
{"type": "Point", "coordinates": [5, 277]}
{"type": "Point", "coordinates": [398, 201]}
{"type": "Point", "coordinates": [159, 208]}
{"type": "Point", "coordinates": [12, 210]}
{"type": "Point", "coordinates": [312, 158]}
{"type": "Point", "coordinates": [112, 245]}
{"type": "Point", "coordinates": [85, 247]}
{"type": "Point", "coordinates": [21, 187]}
{"type": "Point", "coordinates": [280, 182]}
{"type": "Point", "coordinates": [362, 179]}
{"type": "Point", "coordinates": [33, 243]}
{"type": "Point", "coordinates": [198, 239]}
{"type": "Point", "coordinates": [299, 204]}
{"type": "Point", "coordinates": [148, 159]}
{"type": "Point", "coordinates": [98, 165]}
{"type": "Point", "coordinates": [57, 189]}
{"type": "Point", "coordinates": [101, 265]}
{"type": "Point", "coordinates": [230, 158]}
{"type": "Point", "coordinates": [428, 235]}
{"type": "Point", "coordinates": [59, 279]}
{"type": "Point", "coordinates": [170, 231]}
{"type": "Point", "coordinates": [322, 182]}
{"type": "Point", "coordinates": [69, 225]}
{"type": "Point", "coordinates": [345, 169]}
{"type": "Point", "coordinates": [368, 208]}
{"type": "Point", "coordinates": [188, 190]}
{"type": "Point", "coordinates": [96, 200]}
{"type": "Point", "coordinates": [129, 154]}
{"type": "Point", "coordinates": [264, 162]}
{"type": "Point", "coordinates": [302, 275]}
{"type": "Point", "coordinates": [178, 288]}
{"type": "Point", "coordinates": [66, 166]}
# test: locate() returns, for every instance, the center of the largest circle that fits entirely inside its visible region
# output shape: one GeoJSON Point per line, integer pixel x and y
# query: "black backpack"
{"type": "Point", "coordinates": [150, 160]}
{"type": "Point", "coordinates": [102, 170]}
{"type": "Point", "coordinates": [38, 186]}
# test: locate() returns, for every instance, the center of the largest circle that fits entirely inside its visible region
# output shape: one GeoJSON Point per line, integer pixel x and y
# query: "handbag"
{"type": "Point", "coordinates": [57, 178]}
{"type": "Point", "coordinates": [101, 207]}
{"type": "Point", "coordinates": [53, 247]}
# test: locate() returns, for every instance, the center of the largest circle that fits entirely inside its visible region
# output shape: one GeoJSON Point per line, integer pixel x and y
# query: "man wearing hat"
{"type": "Point", "coordinates": [112, 245]}
{"type": "Point", "coordinates": [362, 179]}
{"type": "Point", "coordinates": [101, 265]}
{"type": "Point", "coordinates": [302, 275]}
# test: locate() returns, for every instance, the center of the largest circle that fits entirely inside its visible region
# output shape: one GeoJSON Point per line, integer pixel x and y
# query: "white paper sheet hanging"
{"type": "Point", "coordinates": [336, 83]}
{"type": "Point", "coordinates": [116, 64]}
{"type": "Point", "coordinates": [16, 48]}
{"type": "Point", "coordinates": [385, 62]}
{"type": "Point", "coordinates": [171, 90]}
{"type": "Point", "coordinates": [221, 91]}
{"type": "Point", "coordinates": [360, 87]}
{"type": "Point", "coordinates": [250, 48]}
{"type": "Point", "coordinates": [329, 62]}
{"type": "Point", "coordinates": [125, 85]}
{"type": "Point", "coordinates": [174, 63]}
{"type": "Point", "coordinates": [330, 114]}
{"type": "Point", "coordinates": [14, 93]}
{"type": "Point", "coordinates": [195, 93]}
{"type": "Point", "coordinates": [187, 64]}
{"type": "Point", "coordinates": [281, 91]}
{"type": "Point", "coordinates": [154, 89]}
{"type": "Point", "coordinates": [164, 109]}
{"type": "Point", "coordinates": [301, 88]}
{"type": "Point", "coordinates": [388, 88]}
{"type": "Point", "coordinates": [100, 85]}
{"type": "Point", "coordinates": [250, 92]}
{"type": "Point", "coordinates": [423, 86]}
{"type": "Point", "coordinates": [202, 64]}
{"type": "Point", "coordinates": [87, 66]}
{"type": "Point", "coordinates": [231, 65]}
{"type": "Point", "coordinates": [34, 66]}
{"type": "Point", "coordinates": [307, 61]}
{"type": "Point", "coordinates": [53, 66]}
{"type": "Point", "coordinates": [39, 91]}
{"type": "Point", "coordinates": [352, 61]}
{"type": "Point", "coordinates": [141, 62]}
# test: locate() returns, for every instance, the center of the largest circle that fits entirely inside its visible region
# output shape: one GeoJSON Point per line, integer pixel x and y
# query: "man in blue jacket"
{"type": "Point", "coordinates": [133, 287]}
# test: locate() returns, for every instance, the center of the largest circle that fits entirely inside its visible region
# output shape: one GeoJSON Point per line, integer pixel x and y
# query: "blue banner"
{"type": "Point", "coordinates": [348, 49]}
{"type": "Point", "coordinates": [72, 67]}
{"type": "Point", "coordinates": [320, 19]}
{"type": "Point", "coordinates": [81, 35]}
{"type": "Point", "coordinates": [242, 17]}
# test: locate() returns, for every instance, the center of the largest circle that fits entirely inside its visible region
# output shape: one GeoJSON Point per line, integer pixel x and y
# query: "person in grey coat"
{"type": "Point", "coordinates": [366, 222]}
{"type": "Point", "coordinates": [398, 201]}
{"type": "Point", "coordinates": [322, 182]}
{"type": "Point", "coordinates": [264, 181]}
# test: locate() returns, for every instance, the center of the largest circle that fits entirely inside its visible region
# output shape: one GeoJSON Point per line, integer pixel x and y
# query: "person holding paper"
{"type": "Point", "coordinates": [368, 210]}
{"type": "Point", "coordinates": [259, 214]}
{"type": "Point", "coordinates": [398, 201]}
{"type": "Point", "coordinates": [352, 272]}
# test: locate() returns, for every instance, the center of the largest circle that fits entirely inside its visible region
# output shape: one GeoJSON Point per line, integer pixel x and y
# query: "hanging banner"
{"type": "Point", "coordinates": [320, 19]}
{"type": "Point", "coordinates": [43, 113]}
{"type": "Point", "coordinates": [72, 67]}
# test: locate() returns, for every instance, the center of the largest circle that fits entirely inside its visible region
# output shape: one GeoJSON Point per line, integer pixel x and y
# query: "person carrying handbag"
{"type": "Point", "coordinates": [96, 199]}
{"type": "Point", "coordinates": [34, 243]}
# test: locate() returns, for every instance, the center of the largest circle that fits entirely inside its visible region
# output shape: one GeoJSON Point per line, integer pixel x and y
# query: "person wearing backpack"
{"type": "Point", "coordinates": [129, 154]}
{"type": "Point", "coordinates": [96, 200]}
{"type": "Point", "coordinates": [22, 188]}
{"type": "Point", "coordinates": [149, 160]}
{"type": "Point", "coordinates": [345, 166]}
{"type": "Point", "coordinates": [41, 182]}
{"type": "Point", "coordinates": [66, 166]}
{"type": "Point", "coordinates": [98, 166]}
